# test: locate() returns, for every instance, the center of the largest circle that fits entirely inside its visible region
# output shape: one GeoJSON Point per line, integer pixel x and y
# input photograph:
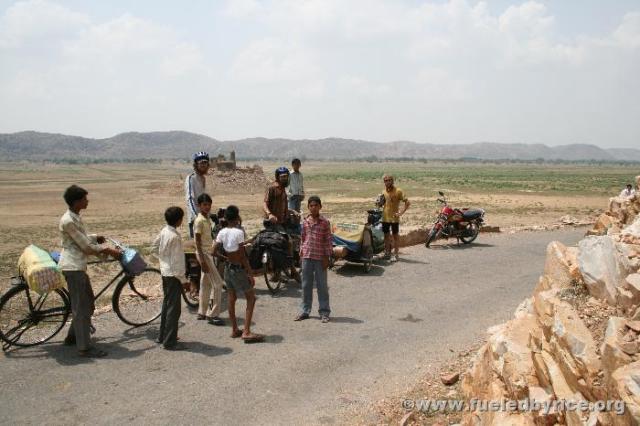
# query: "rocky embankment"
{"type": "Point", "coordinates": [576, 339]}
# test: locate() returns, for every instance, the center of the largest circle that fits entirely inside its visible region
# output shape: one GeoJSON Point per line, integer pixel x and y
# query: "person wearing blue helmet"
{"type": "Point", "coordinates": [275, 199]}
{"type": "Point", "coordinates": [194, 186]}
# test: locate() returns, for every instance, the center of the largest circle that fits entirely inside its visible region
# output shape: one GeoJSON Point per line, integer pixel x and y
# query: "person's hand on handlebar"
{"type": "Point", "coordinates": [116, 253]}
{"type": "Point", "coordinates": [272, 218]}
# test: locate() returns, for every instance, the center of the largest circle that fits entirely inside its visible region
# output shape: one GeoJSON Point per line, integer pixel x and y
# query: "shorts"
{"type": "Point", "coordinates": [236, 278]}
{"type": "Point", "coordinates": [395, 227]}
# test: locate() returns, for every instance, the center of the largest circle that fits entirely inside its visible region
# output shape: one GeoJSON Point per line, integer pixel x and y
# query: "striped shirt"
{"type": "Point", "coordinates": [194, 186]}
{"type": "Point", "coordinates": [317, 242]}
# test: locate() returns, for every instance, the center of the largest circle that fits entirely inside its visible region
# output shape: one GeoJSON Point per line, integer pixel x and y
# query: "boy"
{"type": "Point", "coordinates": [237, 274]}
{"type": "Point", "coordinates": [315, 248]}
{"type": "Point", "coordinates": [209, 278]}
{"type": "Point", "coordinates": [295, 191]}
{"type": "Point", "coordinates": [76, 246]}
{"type": "Point", "coordinates": [168, 246]}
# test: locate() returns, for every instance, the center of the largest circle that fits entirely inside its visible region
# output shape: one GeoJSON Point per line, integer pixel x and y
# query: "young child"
{"type": "Point", "coordinates": [168, 246]}
{"type": "Point", "coordinates": [210, 281]}
{"type": "Point", "coordinates": [77, 245]}
{"type": "Point", "coordinates": [237, 274]}
{"type": "Point", "coordinates": [295, 191]}
{"type": "Point", "coordinates": [315, 248]}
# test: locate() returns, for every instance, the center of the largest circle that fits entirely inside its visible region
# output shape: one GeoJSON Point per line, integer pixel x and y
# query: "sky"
{"type": "Point", "coordinates": [553, 72]}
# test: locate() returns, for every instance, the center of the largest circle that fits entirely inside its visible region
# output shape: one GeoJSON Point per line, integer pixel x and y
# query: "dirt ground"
{"type": "Point", "coordinates": [127, 202]}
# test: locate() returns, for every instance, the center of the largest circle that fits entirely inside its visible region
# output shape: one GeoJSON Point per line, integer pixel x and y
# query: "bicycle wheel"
{"type": "Point", "coordinates": [189, 299]}
{"type": "Point", "coordinates": [271, 277]}
{"type": "Point", "coordinates": [29, 324]}
{"type": "Point", "coordinates": [366, 250]}
{"type": "Point", "coordinates": [138, 300]}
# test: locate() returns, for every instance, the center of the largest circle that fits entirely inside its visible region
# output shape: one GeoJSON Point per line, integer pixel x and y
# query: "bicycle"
{"type": "Point", "coordinates": [28, 318]}
{"type": "Point", "coordinates": [279, 264]}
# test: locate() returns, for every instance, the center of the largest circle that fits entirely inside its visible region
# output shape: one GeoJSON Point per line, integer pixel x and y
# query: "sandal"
{"type": "Point", "coordinates": [236, 334]}
{"type": "Point", "coordinates": [253, 338]}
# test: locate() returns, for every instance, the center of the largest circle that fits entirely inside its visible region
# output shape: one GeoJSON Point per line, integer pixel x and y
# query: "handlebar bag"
{"type": "Point", "coordinates": [132, 262]}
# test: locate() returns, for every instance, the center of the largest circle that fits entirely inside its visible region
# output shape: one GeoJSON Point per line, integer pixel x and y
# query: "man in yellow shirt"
{"type": "Point", "coordinates": [391, 216]}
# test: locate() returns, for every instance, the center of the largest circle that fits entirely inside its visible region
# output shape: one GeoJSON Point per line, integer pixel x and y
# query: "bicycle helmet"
{"type": "Point", "coordinates": [200, 156]}
{"type": "Point", "coordinates": [281, 171]}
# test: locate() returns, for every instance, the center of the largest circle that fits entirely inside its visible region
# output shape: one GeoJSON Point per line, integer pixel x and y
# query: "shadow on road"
{"type": "Point", "coordinates": [346, 320]}
{"type": "Point", "coordinates": [205, 349]}
{"type": "Point", "coordinates": [454, 246]}
{"type": "Point", "coordinates": [412, 261]}
{"type": "Point", "coordinates": [355, 269]}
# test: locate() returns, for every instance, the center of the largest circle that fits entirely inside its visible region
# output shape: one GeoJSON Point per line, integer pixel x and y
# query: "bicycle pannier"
{"type": "Point", "coordinates": [40, 271]}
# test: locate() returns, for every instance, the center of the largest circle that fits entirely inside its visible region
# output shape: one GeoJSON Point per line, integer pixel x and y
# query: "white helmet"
{"type": "Point", "coordinates": [380, 200]}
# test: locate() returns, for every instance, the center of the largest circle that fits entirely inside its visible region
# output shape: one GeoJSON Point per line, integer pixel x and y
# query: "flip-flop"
{"type": "Point", "coordinates": [236, 334]}
{"type": "Point", "coordinates": [253, 338]}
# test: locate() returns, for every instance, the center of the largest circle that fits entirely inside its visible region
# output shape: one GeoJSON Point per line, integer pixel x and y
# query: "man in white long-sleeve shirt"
{"type": "Point", "coordinates": [168, 247]}
{"type": "Point", "coordinates": [77, 245]}
{"type": "Point", "coordinates": [194, 186]}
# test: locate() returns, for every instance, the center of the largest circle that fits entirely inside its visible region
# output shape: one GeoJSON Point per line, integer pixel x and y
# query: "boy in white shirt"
{"type": "Point", "coordinates": [168, 246]}
{"type": "Point", "coordinates": [238, 275]}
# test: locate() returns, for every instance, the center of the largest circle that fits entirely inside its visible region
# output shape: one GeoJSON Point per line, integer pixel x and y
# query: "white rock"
{"type": "Point", "coordinates": [603, 268]}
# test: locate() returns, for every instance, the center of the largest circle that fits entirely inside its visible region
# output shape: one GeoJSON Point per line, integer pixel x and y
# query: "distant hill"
{"type": "Point", "coordinates": [177, 144]}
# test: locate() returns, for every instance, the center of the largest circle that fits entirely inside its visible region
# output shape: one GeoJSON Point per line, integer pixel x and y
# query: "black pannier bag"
{"type": "Point", "coordinates": [277, 245]}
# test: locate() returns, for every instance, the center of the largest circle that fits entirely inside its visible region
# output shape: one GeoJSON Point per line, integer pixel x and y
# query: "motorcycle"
{"type": "Point", "coordinates": [358, 243]}
{"type": "Point", "coordinates": [463, 224]}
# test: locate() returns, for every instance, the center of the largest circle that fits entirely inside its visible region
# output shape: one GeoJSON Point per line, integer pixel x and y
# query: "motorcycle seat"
{"type": "Point", "coordinates": [472, 214]}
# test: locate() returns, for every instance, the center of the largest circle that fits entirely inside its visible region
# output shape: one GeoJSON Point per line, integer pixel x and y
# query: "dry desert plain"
{"type": "Point", "coordinates": [127, 199]}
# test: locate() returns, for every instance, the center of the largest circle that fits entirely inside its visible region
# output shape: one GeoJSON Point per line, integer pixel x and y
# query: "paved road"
{"type": "Point", "coordinates": [388, 326]}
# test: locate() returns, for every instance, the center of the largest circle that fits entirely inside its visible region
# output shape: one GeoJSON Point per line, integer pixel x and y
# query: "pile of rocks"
{"type": "Point", "coordinates": [251, 180]}
{"type": "Point", "coordinates": [621, 211]}
{"type": "Point", "coordinates": [576, 339]}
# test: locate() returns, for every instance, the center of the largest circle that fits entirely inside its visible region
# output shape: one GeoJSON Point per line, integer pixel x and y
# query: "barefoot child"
{"type": "Point", "coordinates": [210, 281]}
{"type": "Point", "coordinates": [168, 246]}
{"type": "Point", "coordinates": [237, 274]}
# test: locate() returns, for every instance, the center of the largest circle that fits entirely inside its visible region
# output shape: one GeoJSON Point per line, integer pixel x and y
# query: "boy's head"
{"type": "Point", "coordinates": [296, 163]}
{"type": "Point", "coordinates": [314, 205]}
{"type": "Point", "coordinates": [629, 186]}
{"type": "Point", "coordinates": [204, 204]}
{"type": "Point", "coordinates": [232, 214]}
{"type": "Point", "coordinates": [76, 197]}
{"type": "Point", "coordinates": [173, 215]}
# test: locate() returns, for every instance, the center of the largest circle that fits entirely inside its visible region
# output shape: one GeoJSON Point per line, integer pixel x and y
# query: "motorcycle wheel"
{"type": "Point", "coordinates": [472, 231]}
{"type": "Point", "coordinates": [431, 237]}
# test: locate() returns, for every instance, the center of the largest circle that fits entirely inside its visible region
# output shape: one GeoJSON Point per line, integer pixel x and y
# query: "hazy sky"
{"type": "Point", "coordinates": [553, 72]}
